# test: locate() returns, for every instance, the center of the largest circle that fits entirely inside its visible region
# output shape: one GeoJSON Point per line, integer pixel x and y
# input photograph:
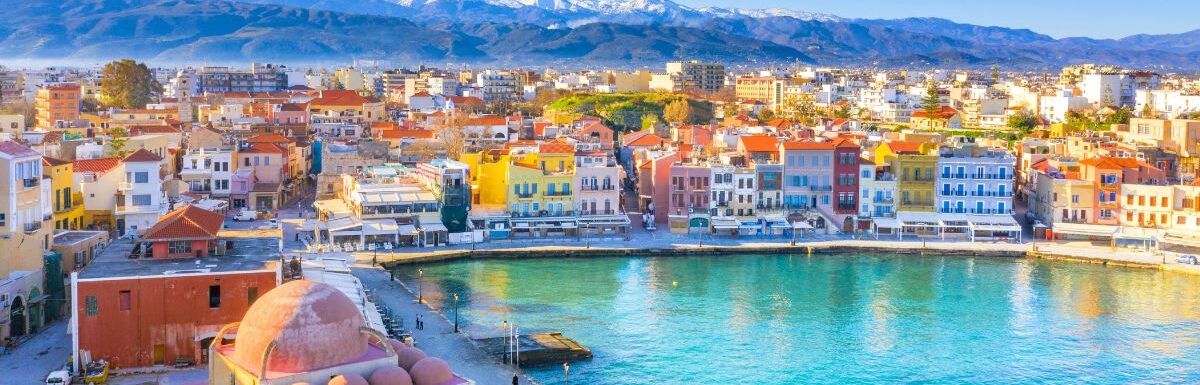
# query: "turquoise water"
{"type": "Point", "coordinates": [757, 319]}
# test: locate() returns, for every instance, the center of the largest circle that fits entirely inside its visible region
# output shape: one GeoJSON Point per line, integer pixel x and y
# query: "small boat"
{"type": "Point", "coordinates": [96, 373]}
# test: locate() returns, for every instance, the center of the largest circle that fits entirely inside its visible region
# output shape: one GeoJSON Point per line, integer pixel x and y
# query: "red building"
{"type": "Point", "coordinates": [846, 154]}
{"type": "Point", "coordinates": [187, 232]}
{"type": "Point", "coordinates": [140, 304]}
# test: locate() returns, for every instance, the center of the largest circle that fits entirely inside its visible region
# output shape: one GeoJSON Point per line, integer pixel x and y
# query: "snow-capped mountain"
{"type": "Point", "coordinates": [645, 11]}
{"type": "Point", "coordinates": [768, 12]}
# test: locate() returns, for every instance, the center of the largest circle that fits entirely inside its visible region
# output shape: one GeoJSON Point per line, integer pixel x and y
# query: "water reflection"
{"type": "Point", "coordinates": [840, 319]}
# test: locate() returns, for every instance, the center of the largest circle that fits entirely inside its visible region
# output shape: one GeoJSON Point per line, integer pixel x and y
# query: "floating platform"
{"type": "Point", "coordinates": [538, 349]}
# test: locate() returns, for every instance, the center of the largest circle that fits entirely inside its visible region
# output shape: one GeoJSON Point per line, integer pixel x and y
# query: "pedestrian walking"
{"type": "Point", "coordinates": [514, 379]}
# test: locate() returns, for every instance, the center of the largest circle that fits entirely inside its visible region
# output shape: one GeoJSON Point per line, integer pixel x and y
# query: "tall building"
{"type": "Point", "coordinates": [975, 180]}
{"type": "Point", "coordinates": [681, 76]}
{"type": "Point", "coordinates": [24, 238]}
{"type": "Point", "coordinates": [12, 85]}
{"type": "Point", "coordinates": [57, 104]}
{"type": "Point", "coordinates": [260, 78]}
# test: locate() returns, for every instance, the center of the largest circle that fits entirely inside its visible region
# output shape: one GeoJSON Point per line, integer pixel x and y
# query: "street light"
{"type": "Point", "coordinates": [567, 372]}
{"type": "Point", "coordinates": [420, 286]}
{"type": "Point", "coordinates": [507, 344]}
{"type": "Point", "coordinates": [587, 236]}
{"type": "Point", "coordinates": [456, 312]}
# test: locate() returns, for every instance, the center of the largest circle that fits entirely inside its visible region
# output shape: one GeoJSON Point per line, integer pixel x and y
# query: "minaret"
{"type": "Point", "coordinates": [183, 91]}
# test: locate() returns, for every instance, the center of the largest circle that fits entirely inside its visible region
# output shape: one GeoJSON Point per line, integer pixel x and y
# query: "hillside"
{"type": "Point", "coordinates": [624, 112]}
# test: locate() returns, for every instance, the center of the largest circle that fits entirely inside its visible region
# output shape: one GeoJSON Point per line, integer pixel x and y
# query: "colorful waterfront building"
{"type": "Point", "coordinates": [975, 180]}
{"type": "Point", "coordinates": [68, 208]}
{"type": "Point", "coordinates": [1107, 174]}
{"type": "Point", "coordinates": [913, 164]}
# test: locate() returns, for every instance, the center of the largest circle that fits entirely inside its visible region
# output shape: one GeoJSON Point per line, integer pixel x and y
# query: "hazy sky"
{"type": "Point", "coordinates": [1057, 18]}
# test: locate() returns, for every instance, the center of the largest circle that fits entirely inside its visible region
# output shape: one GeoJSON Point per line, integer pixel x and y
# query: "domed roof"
{"type": "Point", "coordinates": [431, 371]}
{"type": "Point", "coordinates": [348, 379]}
{"type": "Point", "coordinates": [408, 356]}
{"type": "Point", "coordinates": [312, 324]}
{"type": "Point", "coordinates": [390, 375]}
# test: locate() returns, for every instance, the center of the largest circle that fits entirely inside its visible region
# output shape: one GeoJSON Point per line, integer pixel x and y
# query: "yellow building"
{"type": "Point", "coordinates": [913, 163]}
{"type": "Point", "coordinates": [68, 203]}
{"type": "Point", "coordinates": [526, 180]}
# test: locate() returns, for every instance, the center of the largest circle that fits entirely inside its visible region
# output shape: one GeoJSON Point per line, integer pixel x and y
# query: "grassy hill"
{"type": "Point", "coordinates": [624, 112]}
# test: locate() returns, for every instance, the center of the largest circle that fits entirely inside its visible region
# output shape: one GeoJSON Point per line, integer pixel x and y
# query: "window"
{"type": "Point", "coordinates": [125, 300]}
{"type": "Point", "coordinates": [179, 247]}
{"type": "Point", "coordinates": [141, 177]}
{"type": "Point", "coordinates": [214, 297]}
{"type": "Point", "coordinates": [266, 161]}
{"type": "Point", "coordinates": [141, 200]}
{"type": "Point", "coordinates": [91, 306]}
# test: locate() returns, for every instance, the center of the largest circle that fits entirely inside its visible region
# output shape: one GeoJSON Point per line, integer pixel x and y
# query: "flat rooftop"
{"type": "Point", "coordinates": [252, 250]}
{"type": "Point", "coordinates": [71, 237]}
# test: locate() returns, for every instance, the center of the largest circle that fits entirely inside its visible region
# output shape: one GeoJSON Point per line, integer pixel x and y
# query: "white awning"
{"type": "Point", "coordinates": [1084, 229]}
{"type": "Point", "coordinates": [887, 223]}
{"type": "Point", "coordinates": [801, 225]}
{"type": "Point", "coordinates": [1182, 238]}
{"type": "Point", "coordinates": [914, 218]}
{"type": "Point", "coordinates": [433, 226]}
{"type": "Point", "coordinates": [380, 227]}
{"type": "Point", "coordinates": [994, 223]}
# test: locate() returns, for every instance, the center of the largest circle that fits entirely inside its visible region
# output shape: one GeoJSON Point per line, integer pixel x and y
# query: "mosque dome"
{"type": "Point", "coordinates": [431, 371]}
{"type": "Point", "coordinates": [313, 326]}
{"type": "Point", "coordinates": [348, 379]}
{"type": "Point", "coordinates": [390, 375]}
{"type": "Point", "coordinates": [409, 356]}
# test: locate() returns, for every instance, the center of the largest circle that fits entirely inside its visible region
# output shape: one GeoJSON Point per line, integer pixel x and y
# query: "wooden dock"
{"type": "Point", "coordinates": [538, 349]}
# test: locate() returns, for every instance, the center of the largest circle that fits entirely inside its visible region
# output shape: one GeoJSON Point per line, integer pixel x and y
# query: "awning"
{"type": "Point", "coordinates": [379, 227]}
{"type": "Point", "coordinates": [1182, 238]}
{"type": "Point", "coordinates": [801, 225]}
{"type": "Point", "coordinates": [1084, 229]}
{"type": "Point", "coordinates": [433, 226]}
{"type": "Point", "coordinates": [887, 223]}
{"type": "Point", "coordinates": [994, 223]}
{"type": "Point", "coordinates": [913, 218]}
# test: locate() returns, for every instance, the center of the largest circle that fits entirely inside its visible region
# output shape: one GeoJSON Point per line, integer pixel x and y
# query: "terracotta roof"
{"type": "Point", "coordinates": [904, 147]}
{"type": "Point", "coordinates": [555, 148]}
{"type": "Point", "coordinates": [264, 148]}
{"type": "Point", "coordinates": [421, 94]}
{"type": "Point", "coordinates": [153, 129]}
{"type": "Point", "coordinates": [486, 121]}
{"type": "Point", "coordinates": [646, 140]}
{"type": "Point", "coordinates": [15, 149]}
{"type": "Point", "coordinates": [943, 112]}
{"type": "Point", "coordinates": [1110, 162]}
{"type": "Point", "coordinates": [53, 162]}
{"type": "Point", "coordinates": [300, 87]}
{"type": "Point", "coordinates": [293, 107]}
{"type": "Point", "coordinates": [268, 138]}
{"type": "Point", "coordinates": [189, 222]}
{"type": "Point", "coordinates": [339, 98]}
{"type": "Point", "coordinates": [141, 155]}
{"type": "Point", "coordinates": [403, 133]}
{"type": "Point", "coordinates": [759, 143]}
{"type": "Point", "coordinates": [96, 165]}
{"type": "Point", "coordinates": [465, 99]}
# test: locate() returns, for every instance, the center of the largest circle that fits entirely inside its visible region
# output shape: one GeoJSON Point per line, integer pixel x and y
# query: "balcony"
{"type": "Point", "coordinates": [883, 201]}
{"type": "Point", "coordinates": [32, 182]}
{"type": "Point", "coordinates": [821, 188]}
{"type": "Point", "coordinates": [558, 193]}
{"type": "Point", "coordinates": [525, 195]}
{"type": "Point", "coordinates": [917, 202]}
{"type": "Point", "coordinates": [32, 227]}
{"type": "Point", "coordinates": [124, 186]}
{"type": "Point", "coordinates": [597, 212]}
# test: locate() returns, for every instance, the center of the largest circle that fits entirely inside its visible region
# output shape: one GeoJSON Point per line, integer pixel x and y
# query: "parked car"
{"type": "Point", "coordinates": [246, 216]}
{"type": "Point", "coordinates": [1187, 259]}
{"type": "Point", "coordinates": [58, 377]}
{"type": "Point", "coordinates": [271, 224]}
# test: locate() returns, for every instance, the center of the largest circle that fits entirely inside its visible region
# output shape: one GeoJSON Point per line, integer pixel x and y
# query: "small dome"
{"type": "Point", "coordinates": [431, 371]}
{"type": "Point", "coordinates": [397, 345]}
{"type": "Point", "coordinates": [348, 379]}
{"type": "Point", "coordinates": [408, 356]}
{"type": "Point", "coordinates": [390, 375]}
{"type": "Point", "coordinates": [312, 324]}
{"type": "Point", "coordinates": [301, 383]}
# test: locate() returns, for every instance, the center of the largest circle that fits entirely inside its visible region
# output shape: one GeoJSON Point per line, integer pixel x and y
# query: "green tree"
{"type": "Point", "coordinates": [649, 120]}
{"type": "Point", "coordinates": [930, 103]}
{"type": "Point", "coordinates": [1120, 116]}
{"type": "Point", "coordinates": [118, 139]}
{"type": "Point", "coordinates": [801, 108]}
{"type": "Point", "coordinates": [1023, 121]}
{"type": "Point", "coordinates": [678, 111]}
{"type": "Point", "coordinates": [995, 74]}
{"type": "Point", "coordinates": [128, 84]}
{"type": "Point", "coordinates": [842, 112]}
{"type": "Point", "coordinates": [766, 114]}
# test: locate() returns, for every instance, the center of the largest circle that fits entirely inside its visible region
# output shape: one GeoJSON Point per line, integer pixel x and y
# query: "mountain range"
{"type": "Point", "coordinates": [579, 33]}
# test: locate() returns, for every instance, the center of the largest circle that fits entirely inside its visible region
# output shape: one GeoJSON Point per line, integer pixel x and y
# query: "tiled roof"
{"type": "Point", "coordinates": [96, 165]}
{"type": "Point", "coordinates": [759, 143]}
{"type": "Point", "coordinates": [339, 98]}
{"type": "Point", "coordinates": [555, 148]}
{"type": "Point", "coordinates": [53, 162]}
{"type": "Point", "coordinates": [189, 222]}
{"type": "Point", "coordinates": [15, 149]}
{"type": "Point", "coordinates": [904, 147]}
{"type": "Point", "coordinates": [943, 112]}
{"type": "Point", "coordinates": [141, 155]}
{"type": "Point", "coordinates": [808, 145]}
{"type": "Point", "coordinates": [264, 148]}
{"type": "Point", "coordinates": [486, 121]}
{"type": "Point", "coordinates": [646, 140]}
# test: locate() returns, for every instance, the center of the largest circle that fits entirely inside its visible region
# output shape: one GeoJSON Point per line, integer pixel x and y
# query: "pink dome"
{"type": "Point", "coordinates": [431, 371]}
{"type": "Point", "coordinates": [409, 356]}
{"type": "Point", "coordinates": [312, 324]}
{"type": "Point", "coordinates": [348, 379]}
{"type": "Point", "coordinates": [301, 383]}
{"type": "Point", "coordinates": [397, 345]}
{"type": "Point", "coordinates": [390, 375]}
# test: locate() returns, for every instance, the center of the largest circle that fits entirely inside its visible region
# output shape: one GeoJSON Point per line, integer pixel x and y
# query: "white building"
{"type": "Point", "coordinates": [1054, 108]}
{"type": "Point", "coordinates": [140, 196]}
{"type": "Point", "coordinates": [878, 199]}
{"type": "Point", "coordinates": [496, 85]}
{"type": "Point", "coordinates": [974, 180]}
{"type": "Point", "coordinates": [1104, 90]}
{"type": "Point", "coordinates": [207, 171]}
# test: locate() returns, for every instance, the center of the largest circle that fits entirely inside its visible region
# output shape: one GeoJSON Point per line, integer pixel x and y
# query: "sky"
{"type": "Point", "coordinates": [1057, 18]}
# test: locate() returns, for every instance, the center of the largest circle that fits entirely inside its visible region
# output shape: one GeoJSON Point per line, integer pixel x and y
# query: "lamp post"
{"type": "Point", "coordinates": [507, 345]}
{"type": "Point", "coordinates": [420, 286]}
{"type": "Point", "coordinates": [456, 312]}
{"type": "Point", "coordinates": [567, 373]}
{"type": "Point", "coordinates": [587, 236]}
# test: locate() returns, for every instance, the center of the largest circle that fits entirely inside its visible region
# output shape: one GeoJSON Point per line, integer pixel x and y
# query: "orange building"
{"type": "Point", "coordinates": [134, 308]}
{"type": "Point", "coordinates": [57, 103]}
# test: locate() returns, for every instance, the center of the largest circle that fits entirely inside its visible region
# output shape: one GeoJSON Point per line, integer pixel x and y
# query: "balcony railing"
{"type": "Point", "coordinates": [525, 195]}
{"type": "Point", "coordinates": [911, 202]}
{"type": "Point", "coordinates": [124, 186]}
{"type": "Point", "coordinates": [558, 193]}
{"type": "Point", "coordinates": [32, 227]}
{"type": "Point", "coordinates": [543, 213]}
{"type": "Point", "coordinates": [32, 182]}
{"type": "Point", "coordinates": [821, 188]}
{"type": "Point", "coordinates": [598, 212]}
{"type": "Point", "coordinates": [879, 200]}
{"type": "Point", "coordinates": [973, 211]}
